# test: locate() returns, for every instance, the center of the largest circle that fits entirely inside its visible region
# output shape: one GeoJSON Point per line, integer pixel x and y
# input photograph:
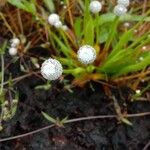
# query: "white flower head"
{"type": "Point", "coordinates": [58, 24]}
{"type": "Point", "coordinates": [53, 18]}
{"type": "Point", "coordinates": [120, 10]}
{"type": "Point", "coordinates": [51, 69]}
{"type": "Point", "coordinates": [124, 2]}
{"type": "Point", "coordinates": [86, 54]}
{"type": "Point", "coordinates": [95, 6]}
{"type": "Point", "coordinates": [12, 51]}
{"type": "Point", "coordinates": [14, 42]}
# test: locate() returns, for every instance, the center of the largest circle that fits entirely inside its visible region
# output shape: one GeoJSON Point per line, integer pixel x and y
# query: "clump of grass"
{"type": "Point", "coordinates": [119, 50]}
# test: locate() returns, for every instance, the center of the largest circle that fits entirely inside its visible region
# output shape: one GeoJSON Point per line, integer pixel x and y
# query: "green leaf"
{"type": "Point", "coordinates": [25, 5]}
{"type": "Point", "coordinates": [49, 118]}
{"type": "Point", "coordinates": [78, 28]}
{"type": "Point", "coordinates": [126, 121]}
{"type": "Point", "coordinates": [50, 5]}
{"type": "Point", "coordinates": [103, 35]}
{"type": "Point", "coordinates": [89, 32]}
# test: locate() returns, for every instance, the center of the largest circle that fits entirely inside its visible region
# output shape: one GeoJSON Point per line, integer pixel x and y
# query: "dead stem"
{"type": "Point", "coordinates": [22, 77]}
{"type": "Point", "coordinates": [69, 12]}
{"type": "Point", "coordinates": [26, 134]}
{"type": "Point", "coordinates": [147, 146]}
{"type": "Point", "coordinates": [132, 76]}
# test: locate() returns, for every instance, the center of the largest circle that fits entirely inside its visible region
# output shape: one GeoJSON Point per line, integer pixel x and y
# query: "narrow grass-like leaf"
{"type": "Point", "coordinates": [89, 32]}
{"type": "Point", "coordinates": [28, 6]}
{"type": "Point", "coordinates": [50, 5]}
{"type": "Point", "coordinates": [49, 118]}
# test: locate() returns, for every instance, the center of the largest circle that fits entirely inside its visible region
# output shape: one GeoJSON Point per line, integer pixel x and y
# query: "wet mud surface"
{"type": "Point", "coordinates": [99, 134]}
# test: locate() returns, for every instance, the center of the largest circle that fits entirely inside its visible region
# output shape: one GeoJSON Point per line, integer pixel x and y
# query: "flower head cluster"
{"type": "Point", "coordinates": [121, 8]}
{"type": "Point", "coordinates": [14, 43]}
{"type": "Point", "coordinates": [51, 69]}
{"type": "Point", "coordinates": [86, 54]}
{"type": "Point", "coordinates": [95, 6]}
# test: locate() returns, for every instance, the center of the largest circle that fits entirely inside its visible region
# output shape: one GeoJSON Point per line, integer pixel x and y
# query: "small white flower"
{"type": "Point", "coordinates": [138, 91]}
{"type": "Point", "coordinates": [51, 69]}
{"type": "Point", "coordinates": [124, 2]}
{"type": "Point", "coordinates": [12, 51]}
{"type": "Point", "coordinates": [53, 18]}
{"type": "Point", "coordinates": [86, 54]}
{"type": "Point", "coordinates": [120, 10]}
{"type": "Point", "coordinates": [14, 42]}
{"type": "Point", "coordinates": [95, 6]}
{"type": "Point", "coordinates": [58, 24]}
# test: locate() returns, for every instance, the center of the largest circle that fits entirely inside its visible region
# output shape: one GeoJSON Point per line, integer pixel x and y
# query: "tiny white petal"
{"type": "Point", "coordinates": [51, 69]}
{"type": "Point", "coordinates": [58, 24]}
{"type": "Point", "coordinates": [12, 51]}
{"type": "Point", "coordinates": [95, 6]}
{"type": "Point", "coordinates": [124, 2]}
{"type": "Point", "coordinates": [53, 18]}
{"type": "Point", "coordinates": [86, 54]}
{"type": "Point", "coordinates": [120, 10]}
{"type": "Point", "coordinates": [14, 42]}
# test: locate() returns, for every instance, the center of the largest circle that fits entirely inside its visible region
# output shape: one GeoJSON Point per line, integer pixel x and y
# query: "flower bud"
{"type": "Point", "coordinates": [65, 27]}
{"type": "Point", "coordinates": [86, 54]}
{"type": "Point", "coordinates": [14, 42]}
{"type": "Point", "coordinates": [58, 24]}
{"type": "Point", "coordinates": [12, 51]}
{"type": "Point", "coordinates": [51, 69]}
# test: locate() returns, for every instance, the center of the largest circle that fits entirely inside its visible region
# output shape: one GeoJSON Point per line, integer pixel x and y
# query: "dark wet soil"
{"type": "Point", "coordinates": [102, 134]}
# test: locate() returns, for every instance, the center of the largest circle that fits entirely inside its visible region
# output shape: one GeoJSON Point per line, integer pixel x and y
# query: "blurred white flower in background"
{"type": "Point", "coordinates": [120, 10]}
{"type": "Point", "coordinates": [14, 42]}
{"type": "Point", "coordinates": [95, 6]}
{"type": "Point", "coordinates": [124, 2]}
{"type": "Point", "coordinates": [12, 51]}
{"type": "Point", "coordinates": [58, 24]}
{"type": "Point", "coordinates": [53, 18]}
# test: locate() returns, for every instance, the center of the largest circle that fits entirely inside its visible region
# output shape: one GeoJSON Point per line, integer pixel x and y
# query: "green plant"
{"type": "Point", "coordinates": [118, 52]}
{"type": "Point", "coordinates": [7, 109]}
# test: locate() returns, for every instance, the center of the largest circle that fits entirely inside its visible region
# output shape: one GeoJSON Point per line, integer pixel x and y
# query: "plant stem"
{"type": "Point", "coordinates": [2, 73]}
{"type": "Point", "coordinates": [72, 121]}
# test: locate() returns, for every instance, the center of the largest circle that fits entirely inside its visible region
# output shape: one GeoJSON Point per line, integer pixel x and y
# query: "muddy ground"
{"type": "Point", "coordinates": [100, 134]}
